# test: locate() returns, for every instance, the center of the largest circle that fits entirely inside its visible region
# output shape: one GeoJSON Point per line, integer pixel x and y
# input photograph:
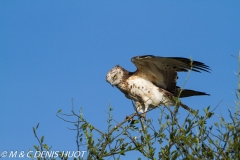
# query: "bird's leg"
{"type": "Point", "coordinates": [137, 108]}
{"type": "Point", "coordinates": [140, 108]}
{"type": "Point", "coordinates": [144, 109]}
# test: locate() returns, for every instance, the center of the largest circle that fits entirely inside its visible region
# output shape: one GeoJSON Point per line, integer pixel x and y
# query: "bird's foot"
{"type": "Point", "coordinates": [129, 118]}
{"type": "Point", "coordinates": [143, 115]}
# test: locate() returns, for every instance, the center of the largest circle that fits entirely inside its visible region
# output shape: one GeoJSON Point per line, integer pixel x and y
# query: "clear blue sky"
{"type": "Point", "coordinates": [52, 51]}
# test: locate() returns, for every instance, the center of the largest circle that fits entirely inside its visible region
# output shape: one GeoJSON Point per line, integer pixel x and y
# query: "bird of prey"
{"type": "Point", "coordinates": [154, 82]}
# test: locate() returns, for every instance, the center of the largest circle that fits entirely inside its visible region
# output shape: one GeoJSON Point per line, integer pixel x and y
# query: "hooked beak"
{"type": "Point", "coordinates": [110, 83]}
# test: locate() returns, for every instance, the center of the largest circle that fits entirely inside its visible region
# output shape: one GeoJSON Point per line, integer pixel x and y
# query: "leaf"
{"type": "Point", "coordinates": [37, 125]}
{"type": "Point", "coordinates": [210, 114]}
{"type": "Point", "coordinates": [195, 140]}
{"type": "Point", "coordinates": [207, 109]}
{"type": "Point", "coordinates": [91, 127]}
{"type": "Point", "coordinates": [175, 155]}
{"type": "Point", "coordinates": [134, 121]}
{"type": "Point", "coordinates": [42, 139]}
{"type": "Point", "coordinates": [129, 147]}
{"type": "Point", "coordinates": [122, 152]}
{"type": "Point", "coordinates": [45, 146]}
{"type": "Point", "coordinates": [36, 147]}
{"type": "Point", "coordinates": [84, 126]}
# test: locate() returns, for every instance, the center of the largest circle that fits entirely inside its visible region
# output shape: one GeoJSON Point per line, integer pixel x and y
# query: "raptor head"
{"type": "Point", "coordinates": [116, 75]}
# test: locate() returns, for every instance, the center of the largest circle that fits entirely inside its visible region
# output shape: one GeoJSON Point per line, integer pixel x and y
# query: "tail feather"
{"type": "Point", "coordinates": [188, 93]}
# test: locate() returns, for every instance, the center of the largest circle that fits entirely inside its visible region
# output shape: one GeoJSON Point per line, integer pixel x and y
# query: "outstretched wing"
{"type": "Point", "coordinates": [162, 71]}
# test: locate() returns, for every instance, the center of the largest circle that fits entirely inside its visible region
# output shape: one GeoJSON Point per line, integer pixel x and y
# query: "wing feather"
{"type": "Point", "coordinates": [162, 71]}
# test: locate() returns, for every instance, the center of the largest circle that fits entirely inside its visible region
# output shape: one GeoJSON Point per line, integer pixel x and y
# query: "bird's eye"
{"type": "Point", "coordinates": [114, 77]}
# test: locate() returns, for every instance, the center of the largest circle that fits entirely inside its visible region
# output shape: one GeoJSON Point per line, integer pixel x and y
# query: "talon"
{"type": "Point", "coordinates": [128, 118]}
{"type": "Point", "coordinates": [143, 115]}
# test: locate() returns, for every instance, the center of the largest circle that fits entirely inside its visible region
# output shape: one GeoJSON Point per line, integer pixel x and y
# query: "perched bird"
{"type": "Point", "coordinates": [154, 82]}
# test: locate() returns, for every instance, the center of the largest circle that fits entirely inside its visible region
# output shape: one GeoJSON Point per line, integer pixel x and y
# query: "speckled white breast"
{"type": "Point", "coordinates": [148, 93]}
